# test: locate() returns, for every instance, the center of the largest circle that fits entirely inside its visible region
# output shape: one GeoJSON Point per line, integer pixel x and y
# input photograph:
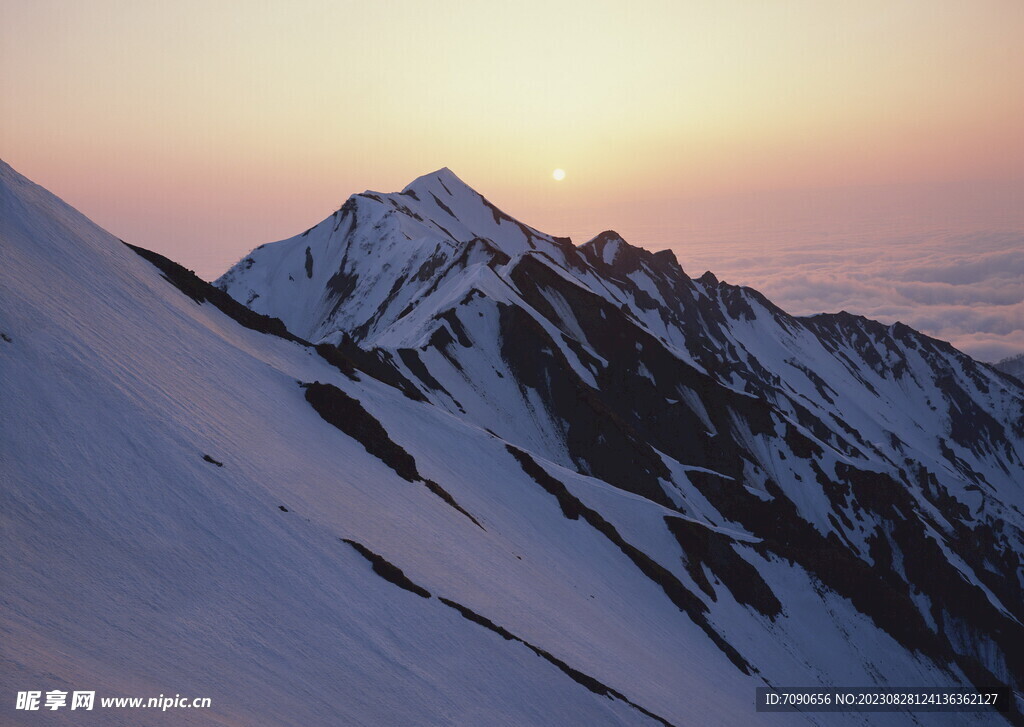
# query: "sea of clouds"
{"type": "Point", "coordinates": [965, 288]}
{"type": "Point", "coordinates": [947, 262]}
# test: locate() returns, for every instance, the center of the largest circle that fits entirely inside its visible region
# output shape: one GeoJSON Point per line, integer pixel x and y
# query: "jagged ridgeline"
{"type": "Point", "coordinates": [424, 464]}
{"type": "Point", "coordinates": [885, 463]}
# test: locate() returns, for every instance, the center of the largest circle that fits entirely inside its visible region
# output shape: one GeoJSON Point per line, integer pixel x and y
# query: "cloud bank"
{"type": "Point", "coordinates": [948, 261]}
{"type": "Point", "coordinates": [965, 288]}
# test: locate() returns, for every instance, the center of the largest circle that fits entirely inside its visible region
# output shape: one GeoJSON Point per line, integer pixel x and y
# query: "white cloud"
{"type": "Point", "coordinates": [966, 288]}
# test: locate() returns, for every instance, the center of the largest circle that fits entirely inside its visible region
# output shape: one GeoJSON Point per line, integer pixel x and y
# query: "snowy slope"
{"type": "Point", "coordinates": [532, 592]}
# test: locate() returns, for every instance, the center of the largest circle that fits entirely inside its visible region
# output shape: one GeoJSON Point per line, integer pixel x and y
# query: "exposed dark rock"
{"type": "Point", "coordinates": [577, 676]}
{"type": "Point", "coordinates": [703, 545]}
{"type": "Point", "coordinates": [443, 206]}
{"type": "Point", "coordinates": [1011, 368]}
{"type": "Point", "coordinates": [200, 291]}
{"type": "Point", "coordinates": [444, 495]}
{"type": "Point", "coordinates": [480, 620]}
{"type": "Point", "coordinates": [622, 457]}
{"type": "Point", "coordinates": [443, 229]}
{"type": "Point", "coordinates": [666, 259]}
{"type": "Point", "coordinates": [500, 217]}
{"type": "Point", "coordinates": [377, 363]}
{"type": "Point", "coordinates": [388, 571]}
{"type": "Point", "coordinates": [626, 413]}
{"type": "Point", "coordinates": [429, 267]}
{"type": "Point", "coordinates": [347, 414]}
{"type": "Point", "coordinates": [972, 427]}
{"type": "Point", "coordinates": [341, 285]}
{"type": "Point", "coordinates": [455, 326]}
{"type": "Point", "coordinates": [573, 509]}
{"type": "Point", "coordinates": [412, 361]}
{"type": "Point", "coordinates": [334, 356]}
{"type": "Point", "coordinates": [877, 591]}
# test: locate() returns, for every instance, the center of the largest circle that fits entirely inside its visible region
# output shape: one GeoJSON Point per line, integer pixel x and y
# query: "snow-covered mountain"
{"type": "Point", "coordinates": [1013, 365]}
{"type": "Point", "coordinates": [482, 476]}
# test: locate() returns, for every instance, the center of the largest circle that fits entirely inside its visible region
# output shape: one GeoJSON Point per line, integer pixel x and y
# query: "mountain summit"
{"type": "Point", "coordinates": [378, 254]}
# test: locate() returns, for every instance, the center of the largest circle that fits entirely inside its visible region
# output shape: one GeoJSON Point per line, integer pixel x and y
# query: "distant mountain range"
{"type": "Point", "coordinates": [1013, 365]}
{"type": "Point", "coordinates": [425, 464]}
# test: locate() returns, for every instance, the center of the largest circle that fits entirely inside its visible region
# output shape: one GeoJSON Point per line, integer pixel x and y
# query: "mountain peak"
{"type": "Point", "coordinates": [442, 181]}
{"type": "Point", "coordinates": [606, 245]}
{"type": "Point", "coordinates": [610, 248]}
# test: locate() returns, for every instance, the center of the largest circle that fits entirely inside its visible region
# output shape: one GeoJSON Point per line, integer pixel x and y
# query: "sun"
{"type": "Point", "coordinates": [558, 175]}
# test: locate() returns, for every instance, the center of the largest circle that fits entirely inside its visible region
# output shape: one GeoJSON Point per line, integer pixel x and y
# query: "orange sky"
{"type": "Point", "coordinates": [203, 128]}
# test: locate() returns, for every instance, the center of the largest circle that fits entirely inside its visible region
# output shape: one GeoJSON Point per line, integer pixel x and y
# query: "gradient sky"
{"type": "Point", "coordinates": [202, 128]}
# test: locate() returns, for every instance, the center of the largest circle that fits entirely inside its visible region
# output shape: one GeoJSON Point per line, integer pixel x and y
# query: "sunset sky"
{"type": "Point", "coordinates": [202, 129]}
